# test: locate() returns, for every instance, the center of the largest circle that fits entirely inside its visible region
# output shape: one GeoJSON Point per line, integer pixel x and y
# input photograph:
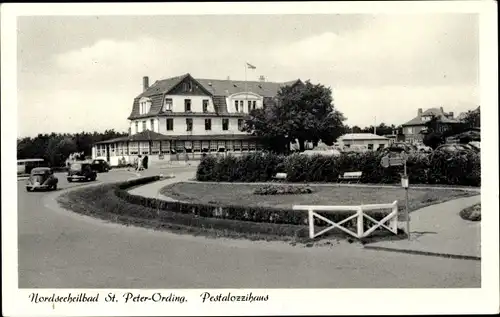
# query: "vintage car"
{"type": "Point", "coordinates": [41, 178]}
{"type": "Point", "coordinates": [81, 171]}
{"type": "Point", "coordinates": [100, 165]}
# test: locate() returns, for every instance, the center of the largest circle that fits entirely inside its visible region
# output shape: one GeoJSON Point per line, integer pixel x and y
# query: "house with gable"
{"type": "Point", "coordinates": [413, 129]}
{"type": "Point", "coordinates": [183, 117]}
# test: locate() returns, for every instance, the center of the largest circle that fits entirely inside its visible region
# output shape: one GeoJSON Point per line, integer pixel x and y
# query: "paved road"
{"type": "Point", "coordinates": [61, 249]}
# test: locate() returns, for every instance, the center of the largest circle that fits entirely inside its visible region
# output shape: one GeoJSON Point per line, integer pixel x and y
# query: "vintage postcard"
{"type": "Point", "coordinates": [250, 158]}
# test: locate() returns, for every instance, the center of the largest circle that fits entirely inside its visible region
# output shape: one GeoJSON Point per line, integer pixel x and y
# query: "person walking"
{"type": "Point", "coordinates": [145, 162]}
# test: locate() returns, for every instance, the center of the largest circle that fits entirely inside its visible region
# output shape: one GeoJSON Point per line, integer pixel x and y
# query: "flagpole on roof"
{"type": "Point", "coordinates": [246, 86]}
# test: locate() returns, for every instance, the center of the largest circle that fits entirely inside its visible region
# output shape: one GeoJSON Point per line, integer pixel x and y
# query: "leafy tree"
{"type": "Point", "coordinates": [473, 118]}
{"type": "Point", "coordinates": [304, 112]}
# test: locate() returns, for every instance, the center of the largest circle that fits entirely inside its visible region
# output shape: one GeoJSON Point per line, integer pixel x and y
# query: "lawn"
{"type": "Point", "coordinates": [242, 194]}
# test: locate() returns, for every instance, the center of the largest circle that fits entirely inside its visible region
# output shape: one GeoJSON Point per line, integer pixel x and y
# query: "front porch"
{"type": "Point", "coordinates": [162, 148]}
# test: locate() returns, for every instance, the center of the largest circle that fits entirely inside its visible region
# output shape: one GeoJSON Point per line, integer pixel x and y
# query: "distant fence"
{"type": "Point", "coordinates": [359, 216]}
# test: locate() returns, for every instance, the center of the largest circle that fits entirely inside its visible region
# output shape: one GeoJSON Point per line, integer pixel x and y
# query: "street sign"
{"type": "Point", "coordinates": [396, 161]}
{"type": "Point", "coordinates": [404, 182]}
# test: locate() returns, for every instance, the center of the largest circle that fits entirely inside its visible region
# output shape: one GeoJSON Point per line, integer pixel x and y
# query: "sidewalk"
{"type": "Point", "coordinates": [439, 230]}
{"type": "Point", "coordinates": [152, 190]}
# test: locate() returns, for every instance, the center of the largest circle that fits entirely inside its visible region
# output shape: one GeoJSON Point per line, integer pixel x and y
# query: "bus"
{"type": "Point", "coordinates": [25, 166]}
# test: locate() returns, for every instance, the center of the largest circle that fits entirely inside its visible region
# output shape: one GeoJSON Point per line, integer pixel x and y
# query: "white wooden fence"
{"type": "Point", "coordinates": [360, 216]}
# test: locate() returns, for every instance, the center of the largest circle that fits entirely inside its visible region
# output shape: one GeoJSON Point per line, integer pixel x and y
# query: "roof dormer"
{"type": "Point", "coordinates": [144, 105]}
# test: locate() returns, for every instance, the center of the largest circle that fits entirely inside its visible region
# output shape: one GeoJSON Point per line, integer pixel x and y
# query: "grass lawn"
{"type": "Point", "coordinates": [238, 194]}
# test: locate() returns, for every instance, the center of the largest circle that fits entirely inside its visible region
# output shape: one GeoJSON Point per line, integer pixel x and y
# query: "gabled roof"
{"type": "Point", "coordinates": [362, 136]}
{"type": "Point", "coordinates": [229, 87]}
{"type": "Point", "coordinates": [217, 88]}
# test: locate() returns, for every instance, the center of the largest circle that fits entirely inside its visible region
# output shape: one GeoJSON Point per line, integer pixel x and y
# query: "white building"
{"type": "Point", "coordinates": [367, 140]}
{"type": "Point", "coordinates": [182, 117]}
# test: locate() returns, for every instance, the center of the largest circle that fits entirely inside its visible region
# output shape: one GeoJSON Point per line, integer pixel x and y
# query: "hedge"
{"type": "Point", "coordinates": [114, 202]}
{"type": "Point", "coordinates": [256, 214]}
{"type": "Point", "coordinates": [435, 168]}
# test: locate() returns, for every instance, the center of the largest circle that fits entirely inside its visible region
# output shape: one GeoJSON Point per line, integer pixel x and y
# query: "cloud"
{"type": "Point", "coordinates": [388, 68]}
{"type": "Point", "coordinates": [404, 50]}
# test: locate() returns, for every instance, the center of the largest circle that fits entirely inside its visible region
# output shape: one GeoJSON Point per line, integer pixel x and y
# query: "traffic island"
{"type": "Point", "coordinates": [113, 202]}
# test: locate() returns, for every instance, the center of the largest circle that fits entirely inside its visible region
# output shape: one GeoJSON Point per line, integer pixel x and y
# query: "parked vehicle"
{"type": "Point", "coordinates": [476, 145]}
{"type": "Point", "coordinates": [81, 171]}
{"type": "Point", "coordinates": [100, 165]}
{"type": "Point", "coordinates": [41, 178]}
{"type": "Point", "coordinates": [455, 148]}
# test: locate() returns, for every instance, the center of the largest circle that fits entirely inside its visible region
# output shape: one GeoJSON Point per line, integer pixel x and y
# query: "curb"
{"type": "Point", "coordinates": [426, 253]}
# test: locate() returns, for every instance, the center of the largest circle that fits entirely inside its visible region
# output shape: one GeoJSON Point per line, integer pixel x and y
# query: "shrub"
{"type": "Point", "coordinates": [472, 213]}
{"type": "Point", "coordinates": [436, 168]}
{"type": "Point", "coordinates": [283, 190]}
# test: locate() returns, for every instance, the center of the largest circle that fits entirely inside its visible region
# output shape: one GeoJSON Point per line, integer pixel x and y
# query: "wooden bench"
{"type": "Point", "coordinates": [350, 176]}
{"type": "Point", "coordinates": [280, 176]}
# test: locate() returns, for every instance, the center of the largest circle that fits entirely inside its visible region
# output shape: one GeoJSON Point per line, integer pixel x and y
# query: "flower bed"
{"type": "Point", "coordinates": [282, 190]}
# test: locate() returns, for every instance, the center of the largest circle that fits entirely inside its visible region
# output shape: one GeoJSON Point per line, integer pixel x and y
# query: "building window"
{"type": "Point", "coordinates": [409, 130]}
{"type": "Point", "coordinates": [167, 104]}
{"type": "Point", "coordinates": [242, 104]}
{"type": "Point", "coordinates": [144, 125]}
{"type": "Point", "coordinates": [170, 124]}
{"type": "Point", "coordinates": [205, 105]}
{"type": "Point", "coordinates": [187, 105]}
{"type": "Point", "coordinates": [144, 105]}
{"type": "Point", "coordinates": [208, 124]}
{"type": "Point", "coordinates": [254, 105]}
{"type": "Point", "coordinates": [137, 127]}
{"type": "Point", "coordinates": [370, 147]}
{"type": "Point", "coordinates": [187, 86]}
{"type": "Point", "coordinates": [152, 121]}
{"type": "Point", "coordinates": [249, 106]}
{"type": "Point", "coordinates": [240, 124]}
{"type": "Point", "coordinates": [236, 105]}
{"type": "Point", "coordinates": [189, 124]}
{"type": "Point", "coordinates": [225, 124]}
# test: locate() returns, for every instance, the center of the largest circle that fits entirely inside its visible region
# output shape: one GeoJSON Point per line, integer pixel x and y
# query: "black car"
{"type": "Point", "coordinates": [100, 165]}
{"type": "Point", "coordinates": [81, 171]}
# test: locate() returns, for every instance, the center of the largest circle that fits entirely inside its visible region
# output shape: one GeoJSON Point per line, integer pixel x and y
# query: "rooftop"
{"type": "Point", "coordinates": [362, 136]}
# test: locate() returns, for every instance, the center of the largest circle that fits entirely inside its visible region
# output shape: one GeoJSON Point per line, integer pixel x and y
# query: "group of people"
{"type": "Point", "coordinates": [141, 163]}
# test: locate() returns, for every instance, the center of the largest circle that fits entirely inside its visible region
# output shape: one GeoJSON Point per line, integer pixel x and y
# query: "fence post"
{"type": "Point", "coordinates": [360, 222]}
{"type": "Point", "coordinates": [394, 220]}
{"type": "Point", "coordinates": [311, 224]}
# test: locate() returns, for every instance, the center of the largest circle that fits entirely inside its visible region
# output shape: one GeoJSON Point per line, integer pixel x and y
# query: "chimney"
{"type": "Point", "coordinates": [442, 110]}
{"type": "Point", "coordinates": [145, 83]}
{"type": "Point", "coordinates": [450, 114]}
{"type": "Point", "coordinates": [262, 78]}
{"type": "Point", "coordinates": [419, 112]}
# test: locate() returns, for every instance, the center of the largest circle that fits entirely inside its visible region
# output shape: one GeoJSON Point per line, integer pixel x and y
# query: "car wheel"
{"type": "Point", "coordinates": [54, 187]}
{"type": "Point", "coordinates": [28, 189]}
{"type": "Point", "coordinates": [70, 180]}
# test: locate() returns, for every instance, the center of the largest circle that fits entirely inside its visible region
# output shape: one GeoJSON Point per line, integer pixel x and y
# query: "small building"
{"type": "Point", "coordinates": [369, 140]}
{"type": "Point", "coordinates": [414, 129]}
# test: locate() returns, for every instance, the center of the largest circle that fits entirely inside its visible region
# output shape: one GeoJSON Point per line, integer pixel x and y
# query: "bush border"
{"type": "Point", "coordinates": [113, 202]}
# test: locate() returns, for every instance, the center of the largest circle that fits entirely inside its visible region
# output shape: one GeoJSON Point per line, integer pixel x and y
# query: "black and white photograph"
{"type": "Point", "coordinates": [250, 158]}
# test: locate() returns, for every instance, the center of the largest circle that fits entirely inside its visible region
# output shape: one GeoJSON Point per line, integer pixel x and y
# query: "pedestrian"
{"type": "Point", "coordinates": [145, 162]}
{"type": "Point", "coordinates": [139, 163]}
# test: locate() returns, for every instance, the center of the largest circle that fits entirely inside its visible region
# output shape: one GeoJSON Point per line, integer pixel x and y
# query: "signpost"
{"type": "Point", "coordinates": [400, 160]}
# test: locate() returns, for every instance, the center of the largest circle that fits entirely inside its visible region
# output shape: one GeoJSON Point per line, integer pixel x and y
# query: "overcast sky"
{"type": "Point", "coordinates": [82, 73]}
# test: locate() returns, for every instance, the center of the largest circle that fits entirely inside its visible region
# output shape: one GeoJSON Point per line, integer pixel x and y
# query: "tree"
{"type": "Point", "coordinates": [433, 138]}
{"type": "Point", "coordinates": [302, 112]}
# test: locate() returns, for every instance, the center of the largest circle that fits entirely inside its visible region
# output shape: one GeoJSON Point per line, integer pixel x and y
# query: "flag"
{"type": "Point", "coordinates": [250, 66]}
